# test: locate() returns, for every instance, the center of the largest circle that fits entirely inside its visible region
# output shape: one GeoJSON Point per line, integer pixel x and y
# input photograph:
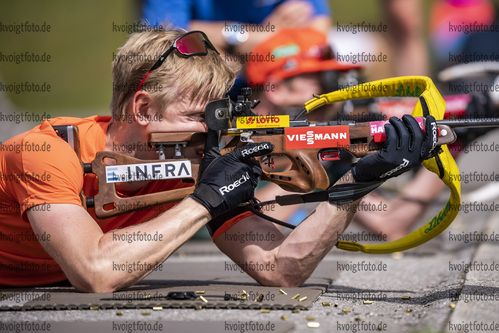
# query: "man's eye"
{"type": "Point", "coordinates": [199, 116]}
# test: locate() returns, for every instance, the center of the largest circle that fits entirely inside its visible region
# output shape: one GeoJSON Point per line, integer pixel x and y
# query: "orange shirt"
{"type": "Point", "coordinates": [37, 168]}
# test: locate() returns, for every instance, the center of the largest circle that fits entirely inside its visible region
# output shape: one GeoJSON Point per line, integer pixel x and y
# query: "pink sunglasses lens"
{"type": "Point", "coordinates": [192, 43]}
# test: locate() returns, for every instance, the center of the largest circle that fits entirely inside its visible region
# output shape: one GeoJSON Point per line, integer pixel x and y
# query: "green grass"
{"type": "Point", "coordinates": [81, 43]}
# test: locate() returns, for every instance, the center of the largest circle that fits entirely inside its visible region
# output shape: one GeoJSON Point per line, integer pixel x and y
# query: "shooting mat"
{"type": "Point", "coordinates": [147, 326]}
{"type": "Point", "coordinates": [215, 277]}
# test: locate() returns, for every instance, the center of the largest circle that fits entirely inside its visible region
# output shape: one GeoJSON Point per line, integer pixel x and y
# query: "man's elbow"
{"type": "Point", "coordinates": [290, 271]}
{"type": "Point", "coordinates": [282, 279]}
{"type": "Point", "coordinates": [93, 288]}
{"type": "Point", "coordinates": [95, 279]}
{"type": "Point", "coordinates": [93, 284]}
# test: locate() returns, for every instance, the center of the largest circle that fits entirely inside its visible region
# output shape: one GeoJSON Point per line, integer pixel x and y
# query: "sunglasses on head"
{"type": "Point", "coordinates": [191, 43]}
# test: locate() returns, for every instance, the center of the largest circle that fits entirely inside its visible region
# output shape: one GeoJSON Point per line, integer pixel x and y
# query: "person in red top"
{"type": "Point", "coordinates": [47, 236]}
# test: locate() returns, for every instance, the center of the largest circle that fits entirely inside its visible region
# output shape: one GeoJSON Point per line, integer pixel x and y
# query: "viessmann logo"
{"type": "Point", "coordinates": [317, 137]}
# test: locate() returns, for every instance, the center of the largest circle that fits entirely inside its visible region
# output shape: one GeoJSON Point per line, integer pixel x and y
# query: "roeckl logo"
{"type": "Point", "coordinates": [403, 165]}
{"type": "Point", "coordinates": [237, 183]}
{"type": "Point", "coordinates": [250, 151]}
{"type": "Point", "coordinates": [435, 135]}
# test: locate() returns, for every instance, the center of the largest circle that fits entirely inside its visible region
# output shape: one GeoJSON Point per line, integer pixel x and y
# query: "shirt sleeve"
{"type": "Point", "coordinates": [321, 7]}
{"type": "Point", "coordinates": [222, 223]}
{"type": "Point", "coordinates": [47, 169]}
{"type": "Point", "coordinates": [176, 13]}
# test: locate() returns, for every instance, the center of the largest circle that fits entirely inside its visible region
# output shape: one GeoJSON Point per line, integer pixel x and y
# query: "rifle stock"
{"type": "Point", "coordinates": [108, 203]}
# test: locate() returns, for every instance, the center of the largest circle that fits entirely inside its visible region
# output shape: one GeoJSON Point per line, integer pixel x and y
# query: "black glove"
{"type": "Point", "coordinates": [228, 180]}
{"type": "Point", "coordinates": [406, 147]}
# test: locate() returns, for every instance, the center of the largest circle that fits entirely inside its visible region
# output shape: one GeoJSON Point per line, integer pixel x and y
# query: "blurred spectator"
{"type": "Point", "coordinates": [451, 22]}
{"type": "Point", "coordinates": [301, 62]}
{"type": "Point", "coordinates": [301, 65]}
{"type": "Point", "coordinates": [404, 19]}
{"type": "Point", "coordinates": [237, 26]}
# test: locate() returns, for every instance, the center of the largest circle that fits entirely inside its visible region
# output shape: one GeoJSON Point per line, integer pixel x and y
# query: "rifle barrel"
{"type": "Point", "coordinates": [483, 122]}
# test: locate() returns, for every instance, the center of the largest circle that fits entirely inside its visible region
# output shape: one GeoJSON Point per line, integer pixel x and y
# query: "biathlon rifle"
{"type": "Point", "coordinates": [304, 143]}
{"type": "Point", "coordinates": [307, 143]}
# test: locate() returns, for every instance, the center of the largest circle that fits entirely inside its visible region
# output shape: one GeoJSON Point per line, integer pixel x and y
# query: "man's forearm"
{"type": "Point", "coordinates": [299, 254]}
{"type": "Point", "coordinates": [134, 252]}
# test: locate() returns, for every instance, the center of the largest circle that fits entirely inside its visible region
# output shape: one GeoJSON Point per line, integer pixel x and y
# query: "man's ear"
{"type": "Point", "coordinates": [278, 92]}
{"type": "Point", "coordinates": [142, 108]}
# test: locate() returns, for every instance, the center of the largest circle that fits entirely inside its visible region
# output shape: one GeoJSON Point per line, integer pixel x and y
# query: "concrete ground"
{"type": "Point", "coordinates": [425, 290]}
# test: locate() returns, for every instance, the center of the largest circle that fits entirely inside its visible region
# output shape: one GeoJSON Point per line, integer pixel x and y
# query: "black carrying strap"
{"type": "Point", "coordinates": [338, 194]}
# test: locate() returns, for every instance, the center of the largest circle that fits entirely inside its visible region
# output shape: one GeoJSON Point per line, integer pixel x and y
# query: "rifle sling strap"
{"type": "Point", "coordinates": [338, 194]}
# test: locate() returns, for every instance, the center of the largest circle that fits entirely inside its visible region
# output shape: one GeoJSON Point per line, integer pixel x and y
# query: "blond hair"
{"type": "Point", "coordinates": [200, 78]}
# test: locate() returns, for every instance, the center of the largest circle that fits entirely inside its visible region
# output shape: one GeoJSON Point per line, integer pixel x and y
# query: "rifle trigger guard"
{"type": "Point", "coordinates": [246, 137]}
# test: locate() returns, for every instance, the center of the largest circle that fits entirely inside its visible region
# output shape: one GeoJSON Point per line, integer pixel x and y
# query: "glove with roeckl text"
{"type": "Point", "coordinates": [406, 147]}
{"type": "Point", "coordinates": [229, 180]}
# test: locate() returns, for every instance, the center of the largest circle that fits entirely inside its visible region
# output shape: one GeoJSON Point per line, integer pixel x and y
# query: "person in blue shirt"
{"type": "Point", "coordinates": [237, 26]}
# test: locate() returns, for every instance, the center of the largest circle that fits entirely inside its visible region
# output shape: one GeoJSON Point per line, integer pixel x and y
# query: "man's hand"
{"type": "Point", "coordinates": [291, 14]}
{"type": "Point", "coordinates": [406, 147]}
{"type": "Point", "coordinates": [226, 181]}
